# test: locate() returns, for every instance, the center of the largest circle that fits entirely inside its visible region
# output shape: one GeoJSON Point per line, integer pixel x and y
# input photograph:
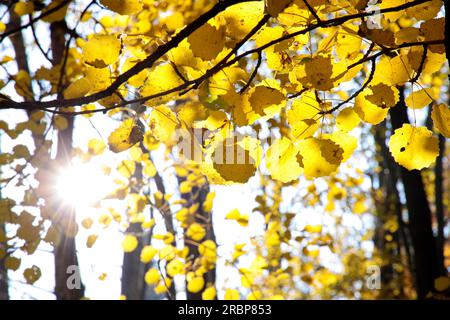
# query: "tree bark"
{"type": "Point", "coordinates": [439, 203]}
{"type": "Point", "coordinates": [65, 251]}
{"type": "Point", "coordinates": [447, 31]}
{"type": "Point", "coordinates": [388, 179]}
{"type": "Point", "coordinates": [18, 44]}
{"type": "Point", "coordinates": [198, 195]}
{"type": "Point", "coordinates": [4, 295]}
{"type": "Point", "coordinates": [133, 284]}
{"type": "Point", "coordinates": [391, 185]}
{"type": "Point", "coordinates": [423, 242]}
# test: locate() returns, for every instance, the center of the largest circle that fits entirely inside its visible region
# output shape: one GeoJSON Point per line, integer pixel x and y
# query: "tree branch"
{"type": "Point", "coordinates": [163, 49]}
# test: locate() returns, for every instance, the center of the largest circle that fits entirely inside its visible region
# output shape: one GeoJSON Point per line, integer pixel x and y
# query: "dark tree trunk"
{"type": "Point", "coordinates": [423, 242]}
{"type": "Point", "coordinates": [392, 191]}
{"type": "Point", "coordinates": [168, 222]}
{"type": "Point", "coordinates": [18, 44]}
{"type": "Point", "coordinates": [133, 271]}
{"type": "Point", "coordinates": [392, 206]}
{"type": "Point", "coordinates": [198, 195]}
{"type": "Point", "coordinates": [447, 31]}
{"type": "Point", "coordinates": [65, 251]}
{"type": "Point", "coordinates": [439, 203]}
{"type": "Point", "coordinates": [4, 295]}
{"type": "Point", "coordinates": [440, 215]}
{"type": "Point", "coordinates": [133, 284]}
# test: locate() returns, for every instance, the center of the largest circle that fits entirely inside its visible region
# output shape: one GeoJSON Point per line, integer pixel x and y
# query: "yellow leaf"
{"type": "Point", "coordinates": [160, 79]}
{"type": "Point", "coordinates": [163, 123]}
{"type": "Point", "coordinates": [185, 187]}
{"type": "Point", "coordinates": [147, 254]}
{"type": "Point", "coordinates": [174, 21]}
{"type": "Point", "coordinates": [101, 50]}
{"type": "Point", "coordinates": [242, 17]}
{"type": "Point", "coordinates": [383, 96]}
{"type": "Point", "coordinates": [57, 15]}
{"type": "Point", "coordinates": [175, 267]}
{"type": "Point", "coordinates": [32, 274]}
{"type": "Point", "coordinates": [129, 243]}
{"type": "Point", "coordinates": [22, 8]}
{"type": "Point", "coordinates": [196, 284]}
{"type": "Point", "coordinates": [163, 285]}
{"type": "Point", "coordinates": [231, 294]}
{"type": "Point", "coordinates": [209, 293]}
{"type": "Point", "coordinates": [268, 34]}
{"type": "Point", "coordinates": [208, 249]}
{"type": "Point", "coordinates": [275, 7]}
{"type": "Point", "coordinates": [425, 11]}
{"type": "Point", "coordinates": [91, 239]}
{"type": "Point", "coordinates": [319, 157]}
{"type": "Point", "coordinates": [87, 223]}
{"type": "Point", "coordinates": [319, 73]}
{"type": "Point", "coordinates": [420, 99]}
{"type": "Point", "coordinates": [348, 42]}
{"type": "Point", "coordinates": [61, 122]}
{"type": "Point", "coordinates": [359, 207]}
{"type": "Point", "coordinates": [368, 111]}
{"type": "Point", "coordinates": [232, 162]}
{"type": "Point", "coordinates": [441, 119]}
{"type": "Point", "coordinates": [266, 100]}
{"type": "Point", "coordinates": [442, 283]}
{"type": "Point", "coordinates": [234, 214]}
{"type": "Point", "coordinates": [392, 71]}
{"type": "Point", "coordinates": [213, 36]}
{"type": "Point", "coordinates": [96, 147]}
{"type": "Point", "coordinates": [21, 151]}
{"type": "Point", "coordinates": [125, 136]}
{"type": "Point", "coordinates": [23, 84]}
{"type": "Point", "coordinates": [313, 228]}
{"type": "Point", "coordinates": [282, 161]}
{"type": "Point", "coordinates": [208, 203]}
{"type": "Point", "coordinates": [124, 7]}
{"type": "Point", "coordinates": [152, 276]}
{"type": "Point", "coordinates": [149, 169]}
{"type": "Point", "coordinates": [347, 142]}
{"type": "Point", "coordinates": [302, 116]}
{"type": "Point", "coordinates": [78, 88]}
{"type": "Point", "coordinates": [196, 232]}
{"type": "Point", "coordinates": [11, 263]}
{"type": "Point", "coordinates": [98, 78]}
{"type": "Point", "coordinates": [413, 147]}
{"type": "Point", "coordinates": [347, 119]}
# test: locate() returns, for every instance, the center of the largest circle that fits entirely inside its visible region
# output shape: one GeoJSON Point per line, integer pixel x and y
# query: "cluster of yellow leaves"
{"type": "Point", "coordinates": [305, 145]}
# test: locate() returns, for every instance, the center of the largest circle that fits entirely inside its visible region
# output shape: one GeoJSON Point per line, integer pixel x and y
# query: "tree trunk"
{"type": "Point", "coordinates": [133, 284]}
{"type": "Point", "coordinates": [447, 31]}
{"type": "Point", "coordinates": [439, 203]}
{"type": "Point", "coordinates": [388, 180]}
{"type": "Point", "coordinates": [4, 295]}
{"type": "Point", "coordinates": [18, 44]}
{"type": "Point", "coordinates": [65, 251]}
{"type": "Point", "coordinates": [423, 242]}
{"type": "Point", "coordinates": [198, 195]}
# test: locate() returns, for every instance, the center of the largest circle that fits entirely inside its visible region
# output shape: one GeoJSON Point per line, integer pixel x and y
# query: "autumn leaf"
{"type": "Point", "coordinates": [125, 136]}
{"type": "Point", "coordinates": [413, 147]}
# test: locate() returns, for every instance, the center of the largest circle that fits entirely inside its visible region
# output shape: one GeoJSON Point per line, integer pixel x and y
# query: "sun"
{"type": "Point", "coordinates": [82, 184]}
